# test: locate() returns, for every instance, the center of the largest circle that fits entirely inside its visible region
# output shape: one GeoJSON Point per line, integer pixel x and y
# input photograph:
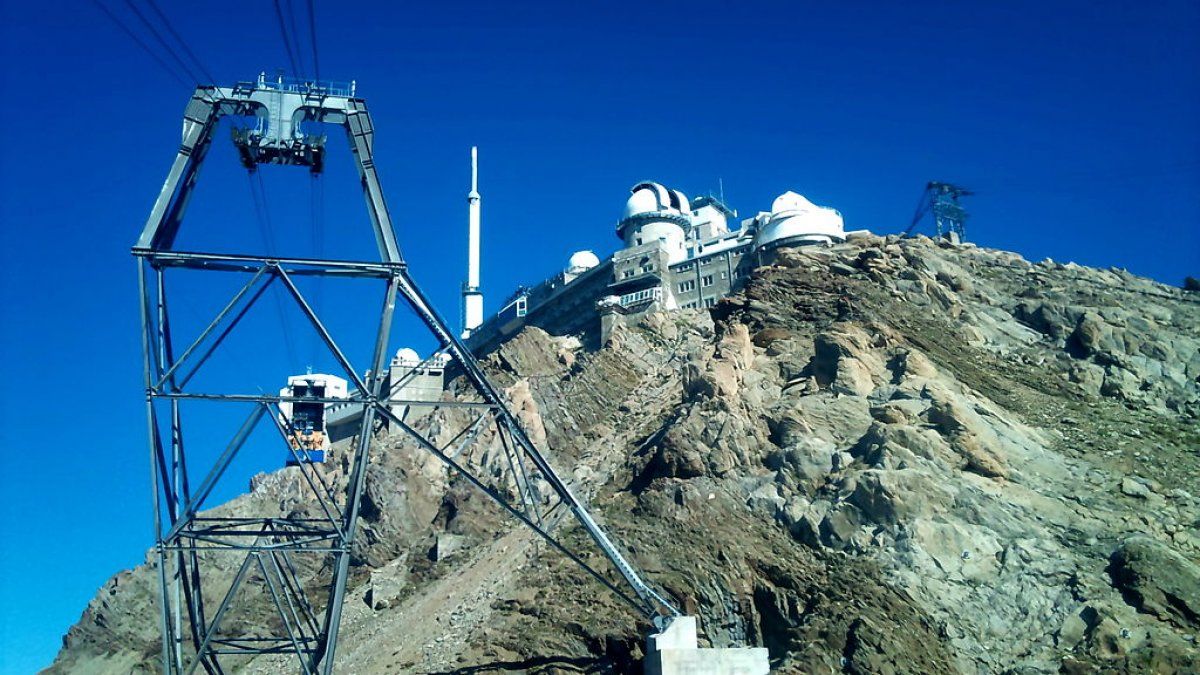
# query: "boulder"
{"type": "Point", "coordinates": [969, 436]}
{"type": "Point", "coordinates": [446, 545]}
{"type": "Point", "coordinates": [844, 362]}
{"type": "Point", "coordinates": [387, 584]}
{"type": "Point", "coordinates": [1157, 580]}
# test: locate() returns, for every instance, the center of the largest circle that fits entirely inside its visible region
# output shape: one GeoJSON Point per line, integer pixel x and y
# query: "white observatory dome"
{"type": "Point", "coordinates": [651, 197]}
{"type": "Point", "coordinates": [795, 220]}
{"type": "Point", "coordinates": [791, 201]}
{"type": "Point", "coordinates": [581, 261]}
{"type": "Point", "coordinates": [654, 213]}
{"type": "Point", "coordinates": [407, 357]}
{"type": "Point", "coordinates": [642, 200]}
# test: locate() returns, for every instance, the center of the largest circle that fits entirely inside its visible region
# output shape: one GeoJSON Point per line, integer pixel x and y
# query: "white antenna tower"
{"type": "Point", "coordinates": [472, 296]}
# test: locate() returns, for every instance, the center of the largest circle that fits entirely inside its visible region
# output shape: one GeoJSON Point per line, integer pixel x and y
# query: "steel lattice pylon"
{"type": "Point", "coordinates": [949, 216]}
{"type": "Point", "coordinates": [195, 619]}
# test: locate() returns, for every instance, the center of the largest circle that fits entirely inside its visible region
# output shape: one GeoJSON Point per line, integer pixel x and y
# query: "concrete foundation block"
{"type": "Point", "coordinates": [446, 545]}
{"type": "Point", "coordinates": [675, 651]}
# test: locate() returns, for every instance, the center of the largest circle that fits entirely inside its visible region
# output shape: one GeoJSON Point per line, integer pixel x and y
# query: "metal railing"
{"type": "Point", "coordinates": [642, 296]}
{"type": "Point", "coordinates": [298, 86]}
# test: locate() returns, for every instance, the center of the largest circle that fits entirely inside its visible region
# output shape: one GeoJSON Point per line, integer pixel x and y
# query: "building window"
{"type": "Point", "coordinates": [626, 274]}
{"type": "Point", "coordinates": [685, 267]}
{"type": "Point", "coordinates": [646, 269]}
{"type": "Point", "coordinates": [724, 275]}
{"type": "Point", "coordinates": [689, 285]}
{"type": "Point", "coordinates": [709, 302]}
{"type": "Point", "coordinates": [707, 281]}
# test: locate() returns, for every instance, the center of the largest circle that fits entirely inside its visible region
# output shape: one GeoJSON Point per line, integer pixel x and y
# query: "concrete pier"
{"type": "Point", "coordinates": [675, 651]}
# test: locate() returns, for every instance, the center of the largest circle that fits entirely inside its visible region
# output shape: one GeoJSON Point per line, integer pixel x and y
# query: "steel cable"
{"type": "Point", "coordinates": [162, 41]}
{"type": "Point", "coordinates": [312, 32]}
{"type": "Point", "coordinates": [263, 216]}
{"type": "Point", "coordinates": [295, 35]}
{"type": "Point", "coordinates": [139, 42]}
{"type": "Point", "coordinates": [317, 215]}
{"type": "Point", "coordinates": [287, 43]}
{"type": "Point", "coordinates": [182, 43]}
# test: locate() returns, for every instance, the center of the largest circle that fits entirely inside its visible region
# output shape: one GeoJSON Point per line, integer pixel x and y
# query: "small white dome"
{"type": "Point", "coordinates": [581, 261]}
{"type": "Point", "coordinates": [408, 357]}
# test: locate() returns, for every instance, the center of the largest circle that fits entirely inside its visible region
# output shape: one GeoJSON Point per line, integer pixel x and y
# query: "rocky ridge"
{"type": "Point", "coordinates": [886, 456]}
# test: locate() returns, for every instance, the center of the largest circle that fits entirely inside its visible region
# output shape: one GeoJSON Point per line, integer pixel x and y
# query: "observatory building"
{"type": "Point", "coordinates": [677, 253]}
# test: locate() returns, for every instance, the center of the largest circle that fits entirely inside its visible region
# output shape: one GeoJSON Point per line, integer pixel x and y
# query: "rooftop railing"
{"type": "Point", "coordinates": [307, 87]}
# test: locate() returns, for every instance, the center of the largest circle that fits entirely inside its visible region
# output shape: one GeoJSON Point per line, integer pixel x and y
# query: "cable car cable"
{"type": "Point", "coordinates": [162, 41]}
{"type": "Point", "coordinates": [317, 232]}
{"type": "Point", "coordinates": [312, 31]}
{"type": "Point", "coordinates": [287, 43]}
{"type": "Point", "coordinates": [139, 42]}
{"type": "Point", "coordinates": [179, 38]}
{"type": "Point", "coordinates": [263, 215]}
{"type": "Point", "coordinates": [295, 35]}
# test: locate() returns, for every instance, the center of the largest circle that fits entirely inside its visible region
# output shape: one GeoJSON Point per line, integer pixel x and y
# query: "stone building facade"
{"type": "Point", "coordinates": [677, 254]}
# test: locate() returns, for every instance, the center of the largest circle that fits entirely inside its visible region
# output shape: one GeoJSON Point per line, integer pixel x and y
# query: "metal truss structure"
{"type": "Point", "coordinates": [200, 624]}
{"type": "Point", "coordinates": [949, 216]}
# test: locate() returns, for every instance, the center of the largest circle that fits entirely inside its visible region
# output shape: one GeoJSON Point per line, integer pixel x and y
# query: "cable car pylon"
{"type": "Point", "coordinates": [198, 622]}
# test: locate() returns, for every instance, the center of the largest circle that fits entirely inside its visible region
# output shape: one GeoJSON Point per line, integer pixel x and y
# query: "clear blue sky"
{"type": "Point", "coordinates": [1075, 121]}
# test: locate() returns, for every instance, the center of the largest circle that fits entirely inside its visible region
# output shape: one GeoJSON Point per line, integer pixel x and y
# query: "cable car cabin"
{"type": "Point", "coordinates": [305, 420]}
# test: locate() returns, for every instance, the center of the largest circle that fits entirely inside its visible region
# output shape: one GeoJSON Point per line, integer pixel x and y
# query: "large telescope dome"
{"type": "Point", "coordinates": [655, 213]}
{"type": "Point", "coordinates": [650, 197]}
{"type": "Point", "coordinates": [795, 220]}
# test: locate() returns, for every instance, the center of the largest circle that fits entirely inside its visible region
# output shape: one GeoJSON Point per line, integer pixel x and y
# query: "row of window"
{"type": "Point", "coordinates": [644, 269]}
{"type": "Point", "coordinates": [705, 263]}
{"type": "Point", "coordinates": [705, 282]}
{"type": "Point", "coordinates": [708, 302]}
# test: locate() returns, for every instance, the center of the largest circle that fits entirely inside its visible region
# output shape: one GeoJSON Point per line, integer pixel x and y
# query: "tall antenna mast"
{"type": "Point", "coordinates": [472, 296]}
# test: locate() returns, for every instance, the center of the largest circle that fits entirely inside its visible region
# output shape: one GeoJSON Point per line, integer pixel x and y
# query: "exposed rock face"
{"type": "Point", "coordinates": [889, 456]}
{"type": "Point", "coordinates": [1158, 580]}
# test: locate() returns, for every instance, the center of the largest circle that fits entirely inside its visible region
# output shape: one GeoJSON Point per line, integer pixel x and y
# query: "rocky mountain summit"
{"type": "Point", "coordinates": [889, 456]}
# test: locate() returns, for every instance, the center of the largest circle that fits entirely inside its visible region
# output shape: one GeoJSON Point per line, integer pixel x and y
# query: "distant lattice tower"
{"type": "Point", "coordinates": [949, 216]}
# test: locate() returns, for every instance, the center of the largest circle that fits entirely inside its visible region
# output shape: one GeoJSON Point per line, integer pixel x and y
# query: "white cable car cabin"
{"type": "Point", "coordinates": [305, 420]}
